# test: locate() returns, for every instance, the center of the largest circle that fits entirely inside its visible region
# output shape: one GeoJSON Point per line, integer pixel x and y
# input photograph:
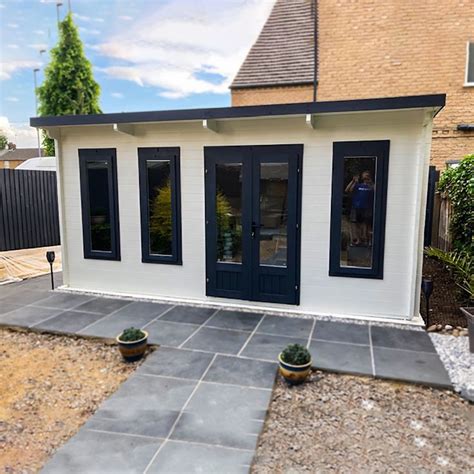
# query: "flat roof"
{"type": "Point", "coordinates": [248, 111]}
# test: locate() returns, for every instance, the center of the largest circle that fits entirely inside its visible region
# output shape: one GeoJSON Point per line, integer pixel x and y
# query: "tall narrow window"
{"type": "Point", "coordinates": [359, 192]}
{"type": "Point", "coordinates": [100, 220]}
{"type": "Point", "coordinates": [160, 205]}
{"type": "Point", "coordinates": [470, 64]}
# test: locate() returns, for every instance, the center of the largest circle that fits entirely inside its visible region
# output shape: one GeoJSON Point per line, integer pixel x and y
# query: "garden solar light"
{"type": "Point", "coordinates": [427, 289]}
{"type": "Point", "coordinates": [50, 256]}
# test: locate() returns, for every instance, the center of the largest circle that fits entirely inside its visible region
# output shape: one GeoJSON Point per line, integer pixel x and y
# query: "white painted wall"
{"type": "Point", "coordinates": [391, 297]}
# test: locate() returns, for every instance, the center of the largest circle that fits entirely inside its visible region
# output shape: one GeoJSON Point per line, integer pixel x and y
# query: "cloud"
{"type": "Point", "coordinates": [89, 31]}
{"type": "Point", "coordinates": [12, 99]}
{"type": "Point", "coordinates": [12, 25]}
{"type": "Point", "coordinates": [39, 32]}
{"type": "Point", "coordinates": [21, 134]}
{"type": "Point", "coordinates": [117, 95]}
{"type": "Point", "coordinates": [125, 18]}
{"type": "Point", "coordinates": [8, 68]}
{"type": "Point", "coordinates": [12, 46]}
{"type": "Point", "coordinates": [38, 46]}
{"type": "Point", "coordinates": [174, 47]}
{"type": "Point", "coordinates": [88, 19]}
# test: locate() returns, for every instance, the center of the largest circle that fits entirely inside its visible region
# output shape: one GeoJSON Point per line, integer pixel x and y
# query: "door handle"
{"type": "Point", "coordinates": [254, 229]}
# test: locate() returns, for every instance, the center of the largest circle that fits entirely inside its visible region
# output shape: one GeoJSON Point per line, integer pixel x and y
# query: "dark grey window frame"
{"type": "Point", "coordinates": [469, 64]}
{"type": "Point", "coordinates": [380, 149]}
{"type": "Point", "coordinates": [100, 154]}
{"type": "Point", "coordinates": [173, 155]}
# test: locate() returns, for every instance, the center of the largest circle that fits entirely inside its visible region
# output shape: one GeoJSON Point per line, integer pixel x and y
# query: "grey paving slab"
{"type": "Point", "coordinates": [24, 296]}
{"type": "Point", "coordinates": [136, 314]}
{"type": "Point", "coordinates": [267, 347]}
{"type": "Point", "coordinates": [341, 332]}
{"type": "Point", "coordinates": [341, 357]}
{"type": "Point", "coordinates": [226, 415]}
{"type": "Point", "coordinates": [62, 301]}
{"type": "Point", "coordinates": [143, 392]}
{"type": "Point", "coordinates": [68, 321]}
{"type": "Point", "coordinates": [235, 320]}
{"type": "Point", "coordinates": [418, 367]}
{"type": "Point", "coordinates": [180, 363]}
{"type": "Point", "coordinates": [186, 458]}
{"type": "Point", "coordinates": [102, 305]}
{"type": "Point", "coordinates": [7, 307]}
{"type": "Point", "coordinates": [188, 314]}
{"type": "Point", "coordinates": [217, 340]}
{"type": "Point", "coordinates": [243, 372]}
{"type": "Point", "coordinates": [155, 422]}
{"type": "Point", "coordinates": [282, 326]}
{"type": "Point", "coordinates": [167, 333]}
{"type": "Point", "coordinates": [394, 338]}
{"type": "Point", "coordinates": [91, 452]}
{"type": "Point", "coordinates": [27, 316]}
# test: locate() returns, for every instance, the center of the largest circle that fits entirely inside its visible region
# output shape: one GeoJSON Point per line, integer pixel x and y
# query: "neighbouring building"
{"type": "Point", "coordinates": [365, 49]}
{"type": "Point", "coordinates": [10, 159]}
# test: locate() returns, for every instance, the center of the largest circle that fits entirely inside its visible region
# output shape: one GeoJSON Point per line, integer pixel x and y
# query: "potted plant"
{"type": "Point", "coordinates": [132, 343]}
{"type": "Point", "coordinates": [295, 363]}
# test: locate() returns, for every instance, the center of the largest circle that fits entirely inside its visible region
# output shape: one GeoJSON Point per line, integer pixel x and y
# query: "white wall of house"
{"type": "Point", "coordinates": [394, 296]}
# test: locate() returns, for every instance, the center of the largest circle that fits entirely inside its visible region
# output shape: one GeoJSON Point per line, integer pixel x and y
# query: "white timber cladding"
{"type": "Point", "coordinates": [391, 297]}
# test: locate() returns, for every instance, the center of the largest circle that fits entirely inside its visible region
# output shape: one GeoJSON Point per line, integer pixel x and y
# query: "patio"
{"type": "Point", "coordinates": [207, 389]}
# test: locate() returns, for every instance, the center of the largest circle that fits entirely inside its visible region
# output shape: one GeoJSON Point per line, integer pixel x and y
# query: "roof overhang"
{"type": "Point", "coordinates": [434, 101]}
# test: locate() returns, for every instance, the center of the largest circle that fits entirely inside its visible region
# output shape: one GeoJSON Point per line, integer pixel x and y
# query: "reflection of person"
{"type": "Point", "coordinates": [362, 191]}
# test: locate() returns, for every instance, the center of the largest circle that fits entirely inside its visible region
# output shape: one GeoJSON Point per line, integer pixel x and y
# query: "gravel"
{"type": "Point", "coordinates": [459, 362]}
{"type": "Point", "coordinates": [49, 386]}
{"type": "Point", "coordinates": [347, 424]}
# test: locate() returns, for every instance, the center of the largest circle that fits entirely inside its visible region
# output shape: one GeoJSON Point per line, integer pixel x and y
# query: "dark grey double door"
{"type": "Point", "coordinates": [253, 220]}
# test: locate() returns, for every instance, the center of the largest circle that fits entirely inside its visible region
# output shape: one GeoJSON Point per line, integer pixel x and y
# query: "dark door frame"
{"type": "Point", "coordinates": [247, 274]}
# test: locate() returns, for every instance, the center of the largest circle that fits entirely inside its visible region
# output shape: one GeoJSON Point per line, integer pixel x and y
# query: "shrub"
{"type": "Point", "coordinates": [132, 334]}
{"type": "Point", "coordinates": [295, 354]}
{"type": "Point", "coordinates": [458, 184]}
{"type": "Point", "coordinates": [461, 264]}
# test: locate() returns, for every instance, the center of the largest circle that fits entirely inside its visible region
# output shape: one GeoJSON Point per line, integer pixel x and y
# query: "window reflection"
{"type": "Point", "coordinates": [160, 210]}
{"type": "Point", "coordinates": [358, 212]}
{"type": "Point", "coordinates": [229, 212]}
{"type": "Point", "coordinates": [99, 206]}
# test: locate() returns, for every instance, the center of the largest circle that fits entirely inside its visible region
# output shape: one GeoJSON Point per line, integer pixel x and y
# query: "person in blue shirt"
{"type": "Point", "coordinates": [361, 217]}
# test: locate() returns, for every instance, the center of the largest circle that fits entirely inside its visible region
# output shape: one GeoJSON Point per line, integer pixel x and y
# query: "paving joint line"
{"type": "Point", "coordinates": [311, 333]}
{"type": "Point", "coordinates": [179, 415]}
{"type": "Point", "coordinates": [198, 329]}
{"type": "Point", "coordinates": [103, 318]}
{"type": "Point", "coordinates": [119, 433]}
{"type": "Point", "coordinates": [250, 336]}
{"type": "Point", "coordinates": [157, 317]}
{"type": "Point", "coordinates": [372, 358]}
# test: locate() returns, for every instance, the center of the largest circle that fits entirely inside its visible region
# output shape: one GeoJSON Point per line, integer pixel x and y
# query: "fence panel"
{"type": "Point", "coordinates": [28, 209]}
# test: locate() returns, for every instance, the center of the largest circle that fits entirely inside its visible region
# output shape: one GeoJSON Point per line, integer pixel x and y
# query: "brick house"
{"type": "Point", "coordinates": [365, 49]}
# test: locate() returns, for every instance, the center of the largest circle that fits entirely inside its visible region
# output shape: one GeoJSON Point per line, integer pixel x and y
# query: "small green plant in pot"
{"type": "Point", "coordinates": [132, 343]}
{"type": "Point", "coordinates": [295, 363]}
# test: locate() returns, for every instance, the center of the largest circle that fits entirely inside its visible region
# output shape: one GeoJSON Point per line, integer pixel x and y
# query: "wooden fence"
{"type": "Point", "coordinates": [28, 209]}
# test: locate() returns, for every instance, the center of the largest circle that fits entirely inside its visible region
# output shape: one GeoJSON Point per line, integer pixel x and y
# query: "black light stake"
{"type": "Point", "coordinates": [427, 289]}
{"type": "Point", "coordinates": [50, 257]}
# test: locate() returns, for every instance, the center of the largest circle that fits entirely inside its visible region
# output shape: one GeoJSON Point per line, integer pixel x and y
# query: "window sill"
{"type": "Point", "coordinates": [468, 84]}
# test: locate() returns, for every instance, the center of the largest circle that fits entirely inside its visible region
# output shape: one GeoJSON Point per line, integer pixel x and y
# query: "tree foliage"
{"type": "Point", "coordinates": [69, 87]}
{"type": "Point", "coordinates": [3, 141]}
{"type": "Point", "coordinates": [458, 184]}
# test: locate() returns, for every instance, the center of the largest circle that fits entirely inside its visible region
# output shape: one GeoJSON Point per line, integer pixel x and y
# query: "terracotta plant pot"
{"type": "Point", "coordinates": [294, 374]}
{"type": "Point", "coordinates": [469, 313]}
{"type": "Point", "coordinates": [132, 350]}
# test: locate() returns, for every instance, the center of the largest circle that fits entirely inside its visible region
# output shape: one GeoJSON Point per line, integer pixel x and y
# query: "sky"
{"type": "Point", "coordinates": [146, 54]}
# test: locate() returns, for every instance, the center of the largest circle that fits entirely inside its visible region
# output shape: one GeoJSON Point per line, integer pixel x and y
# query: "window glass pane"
{"type": "Point", "coordinates": [357, 218]}
{"type": "Point", "coordinates": [470, 64]}
{"type": "Point", "coordinates": [229, 212]}
{"type": "Point", "coordinates": [160, 211]}
{"type": "Point", "coordinates": [273, 213]}
{"type": "Point", "coordinates": [99, 205]}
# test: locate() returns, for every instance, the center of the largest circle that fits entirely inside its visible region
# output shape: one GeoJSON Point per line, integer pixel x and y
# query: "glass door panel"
{"type": "Point", "coordinates": [273, 214]}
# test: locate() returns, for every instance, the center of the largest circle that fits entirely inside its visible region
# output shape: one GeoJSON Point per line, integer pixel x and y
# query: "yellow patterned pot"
{"type": "Point", "coordinates": [132, 350]}
{"type": "Point", "coordinates": [294, 374]}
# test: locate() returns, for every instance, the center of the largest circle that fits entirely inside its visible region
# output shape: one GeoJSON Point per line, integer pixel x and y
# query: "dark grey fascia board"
{"type": "Point", "coordinates": [262, 85]}
{"type": "Point", "coordinates": [249, 111]}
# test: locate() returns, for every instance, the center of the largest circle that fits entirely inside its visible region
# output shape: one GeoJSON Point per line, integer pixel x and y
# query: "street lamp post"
{"type": "Point", "coordinates": [58, 5]}
{"type": "Point", "coordinates": [35, 71]}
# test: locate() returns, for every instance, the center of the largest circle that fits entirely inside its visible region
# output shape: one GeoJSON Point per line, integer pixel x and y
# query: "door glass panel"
{"type": "Point", "coordinates": [159, 205]}
{"type": "Point", "coordinates": [99, 206]}
{"type": "Point", "coordinates": [273, 213]}
{"type": "Point", "coordinates": [357, 218]}
{"type": "Point", "coordinates": [229, 212]}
